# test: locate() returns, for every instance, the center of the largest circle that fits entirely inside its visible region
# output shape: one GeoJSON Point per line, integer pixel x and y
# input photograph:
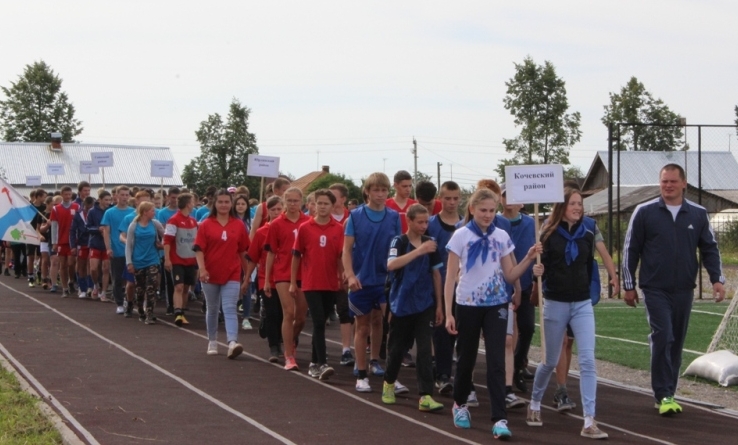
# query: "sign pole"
{"type": "Point", "coordinates": [102, 169]}
{"type": "Point", "coordinates": [56, 182]}
{"type": "Point", "coordinates": [261, 191]}
{"type": "Point", "coordinates": [540, 287]}
{"type": "Point", "coordinates": [161, 189]}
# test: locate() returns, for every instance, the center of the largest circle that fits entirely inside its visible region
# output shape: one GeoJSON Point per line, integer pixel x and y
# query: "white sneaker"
{"type": "Point", "coordinates": [82, 294]}
{"type": "Point", "coordinates": [212, 348]}
{"type": "Point", "coordinates": [246, 325]}
{"type": "Point", "coordinates": [472, 400]}
{"type": "Point", "coordinates": [362, 385]}
{"type": "Point", "coordinates": [120, 310]}
{"type": "Point", "coordinates": [234, 349]}
{"type": "Point", "coordinates": [400, 388]}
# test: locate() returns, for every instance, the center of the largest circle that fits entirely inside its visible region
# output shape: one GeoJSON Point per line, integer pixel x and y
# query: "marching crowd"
{"type": "Point", "coordinates": [394, 272]}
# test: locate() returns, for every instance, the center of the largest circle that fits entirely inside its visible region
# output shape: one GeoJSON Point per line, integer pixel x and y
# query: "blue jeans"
{"type": "Point", "coordinates": [227, 295]}
{"type": "Point", "coordinates": [580, 317]}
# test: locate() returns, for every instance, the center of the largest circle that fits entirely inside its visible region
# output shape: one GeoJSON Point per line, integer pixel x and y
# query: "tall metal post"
{"type": "Point", "coordinates": [438, 165]}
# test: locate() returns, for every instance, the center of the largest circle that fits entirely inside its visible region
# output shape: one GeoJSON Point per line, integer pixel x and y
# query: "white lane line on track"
{"type": "Point", "coordinates": [340, 391]}
{"type": "Point", "coordinates": [179, 380]}
{"type": "Point", "coordinates": [47, 397]}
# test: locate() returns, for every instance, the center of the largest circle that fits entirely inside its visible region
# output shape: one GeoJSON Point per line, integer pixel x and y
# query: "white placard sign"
{"type": "Point", "coordinates": [88, 168]}
{"type": "Point", "coordinates": [33, 181]}
{"type": "Point", "coordinates": [530, 184]}
{"type": "Point", "coordinates": [102, 158]}
{"type": "Point", "coordinates": [162, 169]}
{"type": "Point", "coordinates": [54, 169]}
{"type": "Point", "coordinates": [266, 166]}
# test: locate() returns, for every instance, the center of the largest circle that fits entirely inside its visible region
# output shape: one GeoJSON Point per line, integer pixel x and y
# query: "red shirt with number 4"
{"type": "Point", "coordinates": [222, 247]}
{"type": "Point", "coordinates": [320, 247]}
{"type": "Point", "coordinates": [280, 239]}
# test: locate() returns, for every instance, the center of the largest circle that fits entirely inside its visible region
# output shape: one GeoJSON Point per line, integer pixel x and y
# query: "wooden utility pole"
{"type": "Point", "coordinates": [438, 166]}
{"type": "Point", "coordinates": [415, 156]}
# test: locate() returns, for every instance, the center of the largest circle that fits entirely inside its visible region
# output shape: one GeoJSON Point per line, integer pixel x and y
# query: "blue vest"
{"type": "Point", "coordinates": [371, 245]}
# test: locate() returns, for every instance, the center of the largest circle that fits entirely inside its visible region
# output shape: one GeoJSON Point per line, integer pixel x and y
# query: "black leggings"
{"type": "Point", "coordinates": [526, 317]}
{"type": "Point", "coordinates": [19, 259]}
{"type": "Point", "coordinates": [402, 332]}
{"type": "Point", "coordinates": [320, 304]}
{"type": "Point", "coordinates": [273, 314]}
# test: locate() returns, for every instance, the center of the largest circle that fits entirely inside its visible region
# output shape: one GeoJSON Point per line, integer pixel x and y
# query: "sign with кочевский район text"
{"type": "Point", "coordinates": [530, 184]}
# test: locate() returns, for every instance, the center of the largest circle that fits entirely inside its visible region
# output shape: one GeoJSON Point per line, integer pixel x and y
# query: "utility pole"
{"type": "Point", "coordinates": [415, 156]}
{"type": "Point", "coordinates": [438, 165]}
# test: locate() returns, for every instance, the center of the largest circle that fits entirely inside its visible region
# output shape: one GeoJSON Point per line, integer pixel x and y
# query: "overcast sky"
{"type": "Point", "coordinates": [355, 81]}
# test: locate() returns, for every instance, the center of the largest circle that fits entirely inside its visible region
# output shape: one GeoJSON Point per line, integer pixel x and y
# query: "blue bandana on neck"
{"type": "Point", "coordinates": [572, 249]}
{"type": "Point", "coordinates": [480, 246]}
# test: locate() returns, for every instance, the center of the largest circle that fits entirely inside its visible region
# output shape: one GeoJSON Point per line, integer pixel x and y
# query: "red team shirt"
{"type": "Point", "coordinates": [320, 247]}
{"type": "Point", "coordinates": [258, 255]}
{"type": "Point", "coordinates": [280, 240]}
{"type": "Point", "coordinates": [63, 217]}
{"type": "Point", "coordinates": [222, 246]}
{"type": "Point", "coordinates": [437, 207]}
{"type": "Point", "coordinates": [402, 211]}
{"type": "Point", "coordinates": [180, 234]}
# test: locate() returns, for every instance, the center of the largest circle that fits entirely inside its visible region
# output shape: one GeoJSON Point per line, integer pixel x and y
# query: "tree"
{"type": "Point", "coordinates": [331, 178]}
{"type": "Point", "coordinates": [35, 106]}
{"type": "Point", "coordinates": [658, 128]}
{"type": "Point", "coordinates": [536, 97]}
{"type": "Point", "coordinates": [224, 148]}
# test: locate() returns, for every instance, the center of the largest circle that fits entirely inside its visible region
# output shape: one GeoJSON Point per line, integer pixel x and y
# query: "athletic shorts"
{"type": "Point", "coordinates": [128, 276]}
{"type": "Point", "coordinates": [63, 250]}
{"type": "Point", "coordinates": [184, 274]}
{"type": "Point", "coordinates": [510, 319]}
{"type": "Point", "coordinates": [83, 252]}
{"type": "Point", "coordinates": [299, 283]}
{"type": "Point", "coordinates": [32, 250]}
{"type": "Point", "coordinates": [44, 247]}
{"type": "Point", "coordinates": [96, 254]}
{"type": "Point", "coordinates": [366, 299]}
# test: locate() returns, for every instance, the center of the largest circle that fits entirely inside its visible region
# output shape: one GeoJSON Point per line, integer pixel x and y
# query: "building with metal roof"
{"type": "Point", "coordinates": [132, 165]}
{"type": "Point", "coordinates": [639, 168]}
{"type": "Point", "coordinates": [631, 196]}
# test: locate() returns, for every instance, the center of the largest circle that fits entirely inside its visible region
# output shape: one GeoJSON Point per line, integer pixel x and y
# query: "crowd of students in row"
{"type": "Point", "coordinates": [411, 272]}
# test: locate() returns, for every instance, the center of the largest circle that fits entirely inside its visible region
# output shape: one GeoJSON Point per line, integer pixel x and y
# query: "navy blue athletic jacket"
{"type": "Point", "coordinates": [94, 217]}
{"type": "Point", "coordinates": [667, 249]}
{"type": "Point", "coordinates": [78, 235]}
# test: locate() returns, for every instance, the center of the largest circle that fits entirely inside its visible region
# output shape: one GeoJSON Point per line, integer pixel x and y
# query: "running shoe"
{"type": "Point", "coordinates": [472, 401]}
{"type": "Point", "coordinates": [246, 325]}
{"type": "Point", "coordinates": [65, 293]}
{"type": "Point", "coordinates": [128, 314]}
{"type": "Point", "coordinates": [400, 388]}
{"type": "Point", "coordinates": [31, 281]}
{"type": "Point", "coordinates": [444, 385]}
{"type": "Point", "coordinates": [82, 294]}
{"type": "Point", "coordinates": [45, 284]}
{"type": "Point", "coordinates": [273, 354]}
{"type": "Point", "coordinates": [512, 401]}
{"type": "Point", "coordinates": [593, 432]}
{"type": "Point", "coordinates": [501, 431]}
{"type": "Point", "coordinates": [53, 289]}
{"type": "Point", "coordinates": [562, 402]}
{"type": "Point", "coordinates": [407, 360]}
{"type": "Point", "coordinates": [7, 272]}
{"type": "Point", "coordinates": [362, 385]}
{"type": "Point", "coordinates": [150, 319]}
{"type": "Point", "coordinates": [347, 359]}
{"type": "Point", "coordinates": [533, 418]}
{"type": "Point", "coordinates": [179, 320]}
{"type": "Point", "coordinates": [120, 310]}
{"type": "Point", "coordinates": [325, 372]}
{"type": "Point", "coordinates": [462, 416]}
{"type": "Point", "coordinates": [519, 382]}
{"type": "Point", "coordinates": [669, 406]}
{"type": "Point", "coordinates": [527, 375]}
{"type": "Point", "coordinates": [105, 299]}
{"type": "Point", "coordinates": [234, 349]}
{"type": "Point", "coordinates": [72, 289]}
{"type": "Point", "coordinates": [290, 364]}
{"type": "Point", "coordinates": [141, 317]}
{"type": "Point", "coordinates": [170, 310]}
{"type": "Point", "coordinates": [375, 368]}
{"type": "Point", "coordinates": [388, 393]}
{"type": "Point", "coordinates": [428, 405]}
{"type": "Point", "coordinates": [314, 370]}
{"type": "Point", "coordinates": [212, 348]}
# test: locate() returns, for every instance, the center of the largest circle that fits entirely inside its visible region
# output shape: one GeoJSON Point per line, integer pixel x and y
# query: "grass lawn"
{"type": "Point", "coordinates": [21, 422]}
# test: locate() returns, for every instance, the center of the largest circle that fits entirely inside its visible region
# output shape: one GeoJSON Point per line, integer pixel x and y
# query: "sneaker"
{"type": "Point", "coordinates": [314, 370]}
{"type": "Point", "coordinates": [7, 272]}
{"type": "Point", "coordinates": [519, 382]}
{"type": "Point", "coordinates": [512, 401]}
{"type": "Point", "coordinates": [533, 418]}
{"type": "Point", "coordinates": [325, 372]}
{"type": "Point", "coordinates": [31, 281]}
{"type": "Point", "coordinates": [444, 385]}
{"type": "Point", "coordinates": [150, 319]}
{"type": "Point", "coordinates": [53, 289]}
{"type": "Point", "coordinates": [141, 317]}
{"type": "Point", "coordinates": [593, 432]}
{"type": "Point", "coordinates": [95, 294]}
{"type": "Point", "coordinates": [290, 364]}
{"type": "Point", "coordinates": [400, 388]}
{"type": "Point", "coordinates": [72, 289]}
{"type": "Point", "coordinates": [170, 310]}
{"type": "Point", "coordinates": [668, 406]}
{"type": "Point", "coordinates": [472, 401]}
{"type": "Point", "coordinates": [273, 354]}
{"type": "Point", "coordinates": [462, 416]}
{"type": "Point", "coordinates": [375, 368]}
{"type": "Point", "coordinates": [120, 310]}
{"type": "Point", "coordinates": [45, 284]}
{"type": "Point", "coordinates": [347, 359]}
{"type": "Point", "coordinates": [178, 320]}
{"type": "Point", "coordinates": [407, 360]}
{"type": "Point", "coordinates": [527, 375]}
{"type": "Point", "coordinates": [246, 325]}
{"type": "Point", "coordinates": [234, 349]}
{"type": "Point", "coordinates": [362, 385]}
{"type": "Point", "coordinates": [562, 402]}
{"type": "Point", "coordinates": [212, 348]}
{"type": "Point", "coordinates": [428, 405]}
{"type": "Point", "coordinates": [65, 293]}
{"type": "Point", "coordinates": [128, 314]}
{"type": "Point", "coordinates": [82, 294]}
{"type": "Point", "coordinates": [388, 393]}
{"type": "Point", "coordinates": [105, 299]}
{"type": "Point", "coordinates": [500, 430]}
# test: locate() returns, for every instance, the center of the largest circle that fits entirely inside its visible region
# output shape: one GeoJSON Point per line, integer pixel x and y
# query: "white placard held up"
{"type": "Point", "coordinates": [88, 168]}
{"type": "Point", "coordinates": [530, 184]}
{"type": "Point", "coordinates": [102, 158]}
{"type": "Point", "coordinates": [33, 181]}
{"type": "Point", "coordinates": [265, 166]}
{"type": "Point", "coordinates": [54, 169]}
{"type": "Point", "coordinates": [162, 169]}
